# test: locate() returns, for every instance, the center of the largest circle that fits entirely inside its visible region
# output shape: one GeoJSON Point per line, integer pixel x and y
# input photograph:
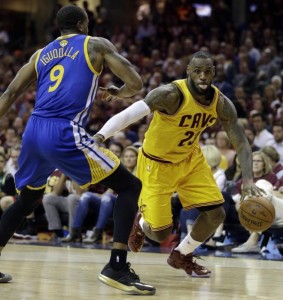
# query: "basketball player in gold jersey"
{"type": "Point", "coordinates": [171, 159]}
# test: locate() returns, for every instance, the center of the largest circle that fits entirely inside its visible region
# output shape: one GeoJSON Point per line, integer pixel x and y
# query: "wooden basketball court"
{"type": "Point", "coordinates": [56, 273]}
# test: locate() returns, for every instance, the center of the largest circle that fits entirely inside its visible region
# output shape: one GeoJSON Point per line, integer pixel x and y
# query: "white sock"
{"type": "Point", "coordinates": [141, 222]}
{"type": "Point", "coordinates": [188, 245]}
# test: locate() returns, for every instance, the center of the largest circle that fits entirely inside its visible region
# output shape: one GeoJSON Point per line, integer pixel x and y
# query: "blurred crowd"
{"type": "Point", "coordinates": [159, 42]}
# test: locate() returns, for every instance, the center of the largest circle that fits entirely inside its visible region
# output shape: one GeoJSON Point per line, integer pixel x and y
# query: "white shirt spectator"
{"type": "Point", "coordinates": [263, 138]}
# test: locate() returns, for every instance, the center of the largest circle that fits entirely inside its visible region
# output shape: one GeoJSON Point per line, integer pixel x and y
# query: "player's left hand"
{"type": "Point", "coordinates": [249, 189]}
{"type": "Point", "coordinates": [110, 93]}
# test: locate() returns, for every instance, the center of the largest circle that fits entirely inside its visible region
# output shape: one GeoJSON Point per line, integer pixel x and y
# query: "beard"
{"type": "Point", "coordinates": [198, 90]}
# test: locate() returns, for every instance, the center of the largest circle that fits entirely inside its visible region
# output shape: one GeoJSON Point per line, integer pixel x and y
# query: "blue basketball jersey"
{"type": "Point", "coordinates": [55, 137]}
{"type": "Point", "coordinates": [67, 82]}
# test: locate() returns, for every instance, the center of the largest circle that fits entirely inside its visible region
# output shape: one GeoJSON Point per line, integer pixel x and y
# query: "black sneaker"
{"type": "Point", "coordinates": [126, 280]}
{"type": "Point", "coordinates": [5, 278]}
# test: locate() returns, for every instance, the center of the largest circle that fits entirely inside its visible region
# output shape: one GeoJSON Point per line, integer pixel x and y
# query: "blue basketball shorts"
{"type": "Point", "coordinates": [50, 144]}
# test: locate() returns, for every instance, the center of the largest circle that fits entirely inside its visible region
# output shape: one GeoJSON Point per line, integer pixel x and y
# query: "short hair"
{"type": "Point", "coordinates": [258, 114]}
{"type": "Point", "coordinates": [212, 155]}
{"type": "Point", "coordinates": [116, 144]}
{"type": "Point", "coordinates": [201, 54]}
{"type": "Point", "coordinates": [272, 153]}
{"type": "Point", "coordinates": [277, 124]}
{"type": "Point", "coordinates": [68, 16]}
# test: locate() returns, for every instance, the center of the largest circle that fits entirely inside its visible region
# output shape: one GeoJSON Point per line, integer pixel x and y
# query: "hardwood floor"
{"type": "Point", "coordinates": [49, 273]}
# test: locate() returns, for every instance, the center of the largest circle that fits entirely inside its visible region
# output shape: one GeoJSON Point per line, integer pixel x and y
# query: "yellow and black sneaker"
{"type": "Point", "coordinates": [126, 280]}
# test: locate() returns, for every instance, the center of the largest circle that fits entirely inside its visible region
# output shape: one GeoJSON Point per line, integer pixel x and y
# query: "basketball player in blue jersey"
{"type": "Point", "coordinates": [171, 159]}
{"type": "Point", "coordinates": [66, 72]}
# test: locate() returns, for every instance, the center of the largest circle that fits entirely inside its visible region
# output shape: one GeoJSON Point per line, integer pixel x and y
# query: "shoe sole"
{"type": "Point", "coordinates": [24, 236]}
{"type": "Point", "coordinates": [128, 289]}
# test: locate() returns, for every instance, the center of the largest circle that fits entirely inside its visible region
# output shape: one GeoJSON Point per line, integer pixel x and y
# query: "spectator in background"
{"type": "Point", "coordinates": [274, 157]}
{"type": "Point", "coordinates": [7, 186]}
{"type": "Point", "coordinates": [253, 52]}
{"type": "Point", "coordinates": [222, 83]}
{"type": "Point", "coordinates": [271, 99]}
{"type": "Point", "coordinates": [262, 169]}
{"type": "Point", "coordinates": [91, 18]}
{"type": "Point", "coordinates": [263, 136]}
{"type": "Point", "coordinates": [141, 135]}
{"type": "Point", "coordinates": [277, 143]}
{"type": "Point", "coordinates": [250, 133]}
{"type": "Point", "coordinates": [225, 147]}
{"type": "Point", "coordinates": [9, 139]}
{"type": "Point", "coordinates": [56, 199]}
{"type": "Point", "coordinates": [245, 78]}
{"type": "Point", "coordinates": [266, 68]}
{"type": "Point", "coordinates": [12, 163]}
{"type": "Point", "coordinates": [276, 81]}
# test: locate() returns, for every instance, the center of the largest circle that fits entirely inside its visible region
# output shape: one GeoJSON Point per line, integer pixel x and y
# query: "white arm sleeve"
{"type": "Point", "coordinates": [123, 119]}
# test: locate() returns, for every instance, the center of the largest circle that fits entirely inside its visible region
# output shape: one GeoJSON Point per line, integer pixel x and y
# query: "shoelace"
{"type": "Point", "coordinates": [132, 272]}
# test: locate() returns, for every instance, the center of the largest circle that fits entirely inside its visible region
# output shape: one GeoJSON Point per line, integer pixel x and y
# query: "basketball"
{"type": "Point", "coordinates": [256, 213]}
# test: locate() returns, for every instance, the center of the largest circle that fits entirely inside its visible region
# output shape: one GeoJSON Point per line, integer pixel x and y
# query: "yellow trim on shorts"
{"type": "Point", "coordinates": [88, 59]}
{"type": "Point", "coordinates": [204, 204]}
{"type": "Point", "coordinates": [32, 188]}
{"type": "Point", "coordinates": [36, 188]}
{"type": "Point", "coordinates": [160, 228]}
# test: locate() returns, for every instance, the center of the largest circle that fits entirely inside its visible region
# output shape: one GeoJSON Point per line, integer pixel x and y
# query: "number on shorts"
{"type": "Point", "coordinates": [56, 76]}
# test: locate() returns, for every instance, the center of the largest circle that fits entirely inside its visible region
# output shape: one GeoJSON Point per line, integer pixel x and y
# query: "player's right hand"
{"type": "Point", "coordinates": [110, 93]}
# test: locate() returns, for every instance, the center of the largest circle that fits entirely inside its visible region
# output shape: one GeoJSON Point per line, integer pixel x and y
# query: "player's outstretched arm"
{"type": "Point", "coordinates": [228, 116]}
{"type": "Point", "coordinates": [165, 98]}
{"type": "Point", "coordinates": [24, 78]}
{"type": "Point", "coordinates": [107, 53]}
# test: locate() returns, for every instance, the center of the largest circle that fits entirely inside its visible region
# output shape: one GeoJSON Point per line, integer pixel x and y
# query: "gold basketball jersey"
{"type": "Point", "coordinates": [171, 138]}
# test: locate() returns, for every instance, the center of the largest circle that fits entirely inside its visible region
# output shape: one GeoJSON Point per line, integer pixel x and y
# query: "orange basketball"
{"type": "Point", "coordinates": [256, 213]}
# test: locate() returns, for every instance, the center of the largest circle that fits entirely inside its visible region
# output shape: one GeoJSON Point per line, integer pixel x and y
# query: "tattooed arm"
{"type": "Point", "coordinates": [101, 51]}
{"type": "Point", "coordinates": [227, 114]}
{"type": "Point", "coordinates": [166, 98]}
